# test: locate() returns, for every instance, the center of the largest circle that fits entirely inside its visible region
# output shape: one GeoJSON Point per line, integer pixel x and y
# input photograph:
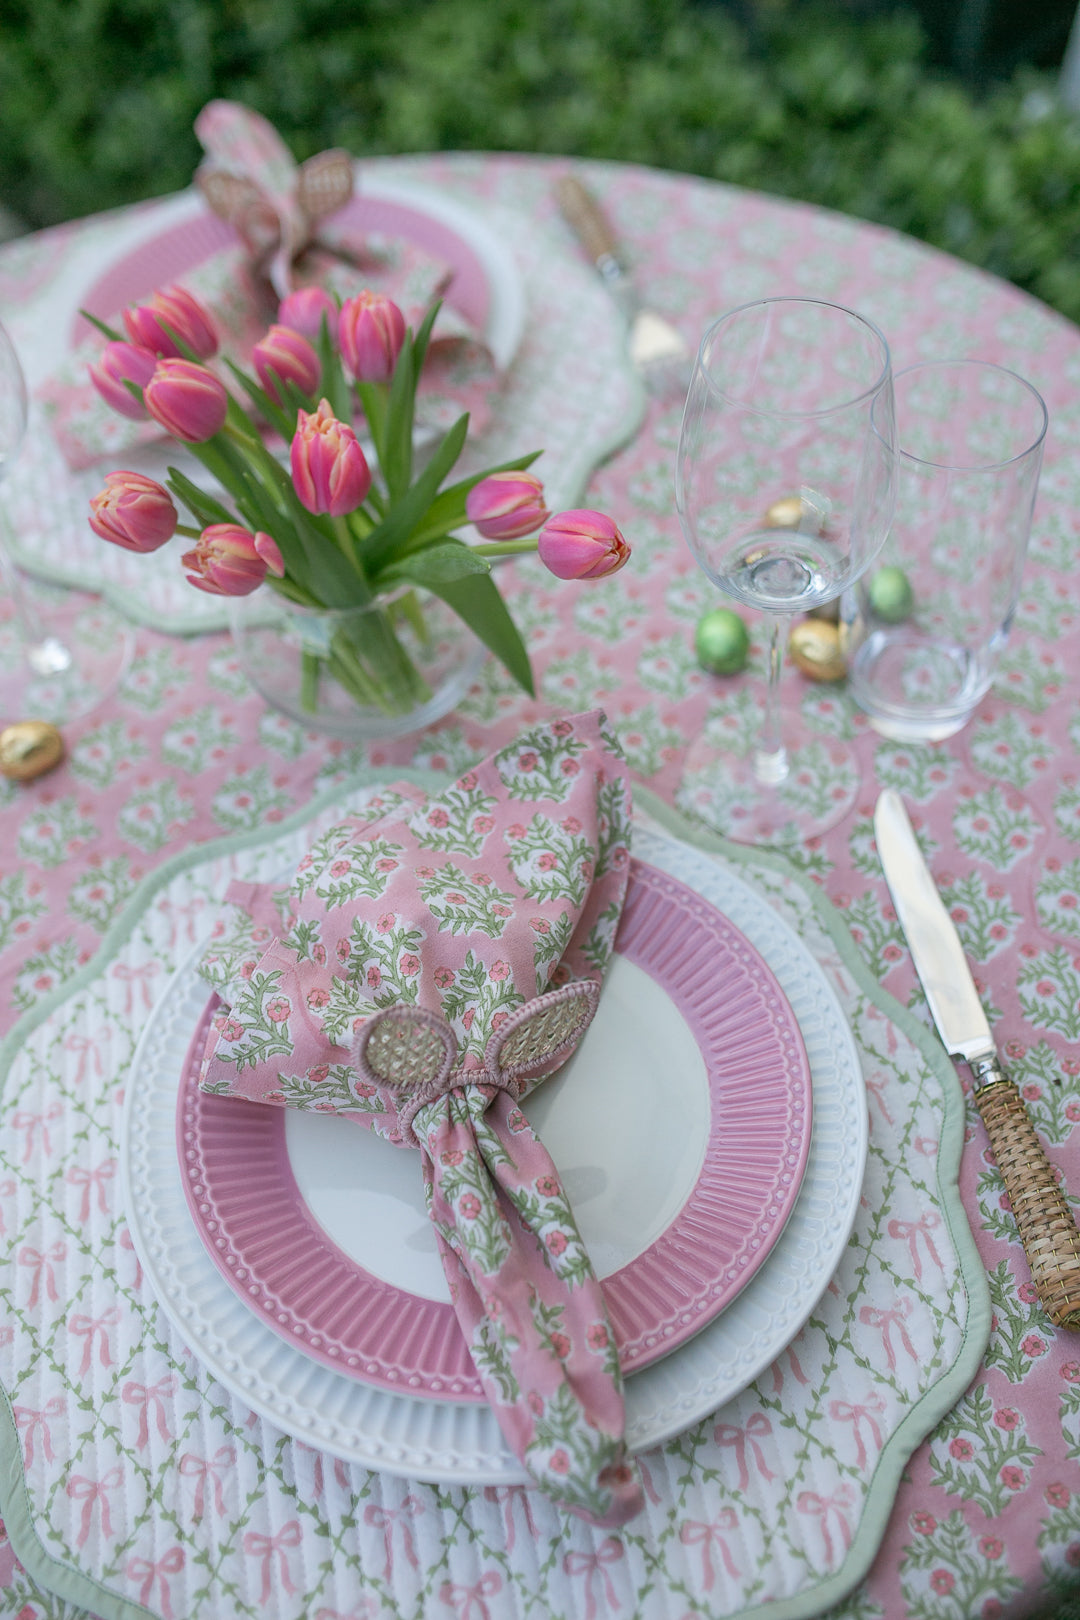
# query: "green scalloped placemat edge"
{"type": "Point", "coordinates": [76, 1587]}
{"type": "Point", "coordinates": [932, 1406]}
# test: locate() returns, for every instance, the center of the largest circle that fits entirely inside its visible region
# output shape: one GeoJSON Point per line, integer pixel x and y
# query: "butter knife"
{"type": "Point", "coordinates": [1045, 1222]}
{"type": "Point", "coordinates": [656, 349]}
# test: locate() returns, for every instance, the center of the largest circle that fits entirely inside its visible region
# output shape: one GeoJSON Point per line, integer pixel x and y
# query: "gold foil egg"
{"type": "Point", "coordinates": [815, 649]}
{"type": "Point", "coordinates": [28, 749]}
{"type": "Point", "coordinates": [786, 513]}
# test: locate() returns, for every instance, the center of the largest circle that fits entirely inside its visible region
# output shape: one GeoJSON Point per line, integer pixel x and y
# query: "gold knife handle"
{"type": "Point", "coordinates": [585, 217]}
{"type": "Point", "coordinates": [1045, 1222]}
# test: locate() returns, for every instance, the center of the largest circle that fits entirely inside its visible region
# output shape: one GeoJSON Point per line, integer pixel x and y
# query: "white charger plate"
{"type": "Point", "coordinates": [461, 1443]}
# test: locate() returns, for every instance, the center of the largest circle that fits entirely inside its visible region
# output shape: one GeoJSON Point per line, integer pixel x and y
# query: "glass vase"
{"type": "Point", "coordinates": [383, 670]}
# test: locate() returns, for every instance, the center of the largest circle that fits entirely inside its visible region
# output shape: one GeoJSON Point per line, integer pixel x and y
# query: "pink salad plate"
{"type": "Point", "coordinates": [181, 247]}
{"type": "Point", "coordinates": [755, 1129]}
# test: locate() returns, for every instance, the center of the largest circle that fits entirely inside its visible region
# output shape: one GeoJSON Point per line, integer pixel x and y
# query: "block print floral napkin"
{"type": "Point", "coordinates": [431, 961]}
{"type": "Point", "coordinates": [273, 248]}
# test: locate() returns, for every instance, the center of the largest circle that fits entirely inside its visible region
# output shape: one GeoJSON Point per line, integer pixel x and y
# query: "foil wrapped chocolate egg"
{"type": "Point", "coordinates": [815, 650]}
{"type": "Point", "coordinates": [786, 513]}
{"type": "Point", "coordinates": [28, 749]}
{"type": "Point", "coordinates": [722, 642]}
{"type": "Point", "coordinates": [891, 595]}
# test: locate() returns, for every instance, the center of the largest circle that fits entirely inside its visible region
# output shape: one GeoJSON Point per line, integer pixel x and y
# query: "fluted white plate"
{"type": "Point", "coordinates": [461, 1443]}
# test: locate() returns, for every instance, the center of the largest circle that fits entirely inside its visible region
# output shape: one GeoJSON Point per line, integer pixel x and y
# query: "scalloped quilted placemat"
{"type": "Point", "coordinates": [134, 1484]}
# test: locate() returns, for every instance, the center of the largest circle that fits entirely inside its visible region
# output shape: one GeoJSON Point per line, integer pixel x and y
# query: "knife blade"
{"type": "Point", "coordinates": [1044, 1220]}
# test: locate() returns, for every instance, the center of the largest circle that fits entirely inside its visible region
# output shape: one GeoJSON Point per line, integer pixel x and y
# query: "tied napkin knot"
{"type": "Point", "coordinates": [251, 180]}
{"type": "Point", "coordinates": [291, 227]}
{"type": "Point", "coordinates": [433, 959]}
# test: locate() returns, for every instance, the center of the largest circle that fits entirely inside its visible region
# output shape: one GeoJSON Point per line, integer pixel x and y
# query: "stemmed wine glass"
{"type": "Point", "coordinates": [62, 669]}
{"type": "Point", "coordinates": [785, 490]}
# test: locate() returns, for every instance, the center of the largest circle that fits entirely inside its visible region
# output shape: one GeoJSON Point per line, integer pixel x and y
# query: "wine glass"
{"type": "Point", "coordinates": [785, 487]}
{"type": "Point", "coordinates": [60, 669]}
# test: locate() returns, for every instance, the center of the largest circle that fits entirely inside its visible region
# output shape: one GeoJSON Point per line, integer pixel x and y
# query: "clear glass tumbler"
{"type": "Point", "coordinates": [926, 626]}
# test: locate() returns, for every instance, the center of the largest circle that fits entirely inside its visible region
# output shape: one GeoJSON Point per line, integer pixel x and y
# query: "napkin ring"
{"type": "Point", "coordinates": [413, 1052]}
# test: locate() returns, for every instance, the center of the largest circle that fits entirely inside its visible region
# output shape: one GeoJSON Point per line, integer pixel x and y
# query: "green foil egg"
{"type": "Point", "coordinates": [891, 595]}
{"type": "Point", "coordinates": [722, 642]}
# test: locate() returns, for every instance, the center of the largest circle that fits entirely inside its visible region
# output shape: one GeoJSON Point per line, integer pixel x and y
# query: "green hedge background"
{"type": "Point", "coordinates": [838, 104]}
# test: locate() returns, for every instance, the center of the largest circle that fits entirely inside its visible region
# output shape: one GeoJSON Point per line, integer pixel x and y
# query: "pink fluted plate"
{"type": "Point", "coordinates": [681, 1128]}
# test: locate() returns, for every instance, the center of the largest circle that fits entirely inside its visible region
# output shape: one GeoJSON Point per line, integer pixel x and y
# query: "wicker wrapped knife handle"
{"type": "Point", "coordinates": [584, 215]}
{"type": "Point", "coordinates": [1047, 1228]}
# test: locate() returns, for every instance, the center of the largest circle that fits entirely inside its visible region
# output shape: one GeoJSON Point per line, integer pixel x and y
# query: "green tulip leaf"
{"type": "Point", "coordinates": [436, 565]}
{"type": "Point", "coordinates": [203, 507]}
{"type": "Point", "coordinates": [388, 537]}
{"type": "Point", "coordinates": [477, 601]}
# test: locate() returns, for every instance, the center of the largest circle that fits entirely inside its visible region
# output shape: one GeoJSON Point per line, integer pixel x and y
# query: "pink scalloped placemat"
{"type": "Point", "coordinates": [264, 1239]}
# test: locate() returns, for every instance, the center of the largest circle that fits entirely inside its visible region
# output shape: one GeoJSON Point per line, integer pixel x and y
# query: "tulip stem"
{"type": "Point", "coordinates": [505, 548]}
{"type": "Point", "coordinates": [186, 529]}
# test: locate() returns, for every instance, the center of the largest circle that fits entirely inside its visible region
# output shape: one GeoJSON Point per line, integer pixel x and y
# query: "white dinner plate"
{"type": "Point", "coordinates": [459, 1442]}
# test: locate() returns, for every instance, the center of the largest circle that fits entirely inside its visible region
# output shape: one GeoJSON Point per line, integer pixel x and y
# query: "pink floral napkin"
{"type": "Point", "coordinates": [288, 231]}
{"type": "Point", "coordinates": [432, 960]}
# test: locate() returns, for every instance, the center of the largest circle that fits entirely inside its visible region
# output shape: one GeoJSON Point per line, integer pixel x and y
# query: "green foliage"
{"type": "Point", "coordinates": [97, 100]}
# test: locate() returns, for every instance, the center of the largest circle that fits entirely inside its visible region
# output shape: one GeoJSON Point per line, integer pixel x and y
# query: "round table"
{"type": "Point", "coordinates": [986, 1519]}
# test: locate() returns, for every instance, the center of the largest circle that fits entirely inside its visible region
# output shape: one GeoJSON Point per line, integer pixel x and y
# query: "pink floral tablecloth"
{"type": "Point", "coordinates": [986, 1520]}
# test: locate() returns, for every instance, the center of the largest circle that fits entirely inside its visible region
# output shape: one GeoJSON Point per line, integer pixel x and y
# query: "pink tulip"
{"type": "Point", "coordinates": [120, 363]}
{"type": "Point", "coordinates": [287, 356]}
{"type": "Point", "coordinates": [187, 400]}
{"type": "Point", "coordinates": [303, 310]}
{"type": "Point", "coordinates": [174, 308]}
{"type": "Point", "coordinates": [371, 330]}
{"type": "Point", "coordinates": [230, 561]}
{"type": "Point", "coordinates": [582, 545]}
{"type": "Point", "coordinates": [329, 469]}
{"type": "Point", "coordinates": [133, 512]}
{"type": "Point", "coordinates": [506, 505]}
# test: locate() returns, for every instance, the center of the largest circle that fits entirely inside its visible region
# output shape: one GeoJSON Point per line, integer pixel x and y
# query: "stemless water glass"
{"type": "Point", "coordinates": [785, 492]}
{"type": "Point", "coordinates": [60, 667]}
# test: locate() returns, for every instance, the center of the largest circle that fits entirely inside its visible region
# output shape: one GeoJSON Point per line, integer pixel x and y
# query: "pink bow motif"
{"type": "Point", "coordinates": [913, 1231]}
{"type": "Point", "coordinates": [186, 911]}
{"type": "Point", "coordinates": [145, 1396]}
{"type": "Point", "coordinates": [91, 1327]}
{"type": "Point", "coordinates": [728, 1434]}
{"type": "Point", "coordinates": [871, 1316]}
{"type": "Point", "coordinates": [91, 1493]}
{"type": "Point", "coordinates": [846, 1412]}
{"type": "Point", "coordinates": [876, 1086]}
{"type": "Point", "coordinates": [27, 1421]}
{"type": "Point", "coordinates": [264, 1547]}
{"type": "Point", "coordinates": [31, 1124]}
{"type": "Point", "coordinates": [125, 1241]}
{"type": "Point", "coordinates": [821, 1507]}
{"type": "Point", "coordinates": [590, 1565]}
{"type": "Point", "coordinates": [41, 1264]}
{"type": "Point", "coordinates": [132, 976]}
{"type": "Point", "coordinates": [7, 1187]}
{"type": "Point", "coordinates": [695, 1534]}
{"type": "Point", "coordinates": [508, 1495]}
{"type": "Point", "coordinates": [469, 1600]}
{"type": "Point", "coordinates": [142, 1569]}
{"type": "Point", "coordinates": [796, 1371]}
{"type": "Point", "coordinates": [78, 1176]}
{"type": "Point", "coordinates": [647, 1481]}
{"type": "Point", "coordinates": [384, 1519]}
{"type": "Point", "coordinates": [203, 1469]}
{"type": "Point", "coordinates": [86, 1046]}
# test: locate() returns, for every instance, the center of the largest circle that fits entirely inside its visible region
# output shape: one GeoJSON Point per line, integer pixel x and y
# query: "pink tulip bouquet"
{"type": "Point", "coordinates": [334, 530]}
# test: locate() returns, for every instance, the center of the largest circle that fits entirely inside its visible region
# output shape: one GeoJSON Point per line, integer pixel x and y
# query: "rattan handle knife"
{"type": "Point", "coordinates": [1045, 1222]}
